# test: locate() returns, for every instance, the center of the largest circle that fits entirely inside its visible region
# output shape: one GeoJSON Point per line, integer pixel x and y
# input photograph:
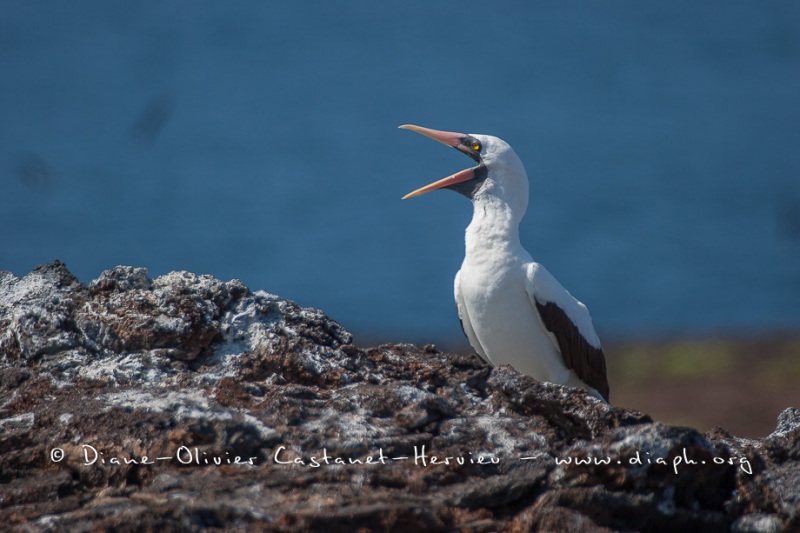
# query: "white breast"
{"type": "Point", "coordinates": [498, 309]}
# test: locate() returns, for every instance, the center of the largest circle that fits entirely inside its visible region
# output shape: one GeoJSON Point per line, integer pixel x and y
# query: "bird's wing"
{"type": "Point", "coordinates": [570, 325]}
{"type": "Point", "coordinates": [466, 326]}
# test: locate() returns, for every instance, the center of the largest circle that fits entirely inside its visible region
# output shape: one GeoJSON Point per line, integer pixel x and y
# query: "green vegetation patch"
{"type": "Point", "coordinates": [681, 360]}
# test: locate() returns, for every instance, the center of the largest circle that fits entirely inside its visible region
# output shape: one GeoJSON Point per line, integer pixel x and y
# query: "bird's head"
{"type": "Point", "coordinates": [499, 173]}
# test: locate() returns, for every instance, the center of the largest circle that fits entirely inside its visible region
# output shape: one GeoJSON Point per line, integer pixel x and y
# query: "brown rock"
{"type": "Point", "coordinates": [188, 403]}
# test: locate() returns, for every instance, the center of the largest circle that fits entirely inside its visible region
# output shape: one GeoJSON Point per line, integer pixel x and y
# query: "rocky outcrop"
{"type": "Point", "coordinates": [188, 403]}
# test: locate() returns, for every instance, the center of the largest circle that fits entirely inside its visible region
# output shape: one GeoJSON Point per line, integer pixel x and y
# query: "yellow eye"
{"type": "Point", "coordinates": [476, 147]}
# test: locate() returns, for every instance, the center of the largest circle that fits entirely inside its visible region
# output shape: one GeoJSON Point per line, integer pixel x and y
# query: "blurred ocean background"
{"type": "Point", "coordinates": [259, 141]}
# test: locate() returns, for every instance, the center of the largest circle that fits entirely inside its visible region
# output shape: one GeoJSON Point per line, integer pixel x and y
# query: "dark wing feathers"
{"type": "Point", "coordinates": [588, 362]}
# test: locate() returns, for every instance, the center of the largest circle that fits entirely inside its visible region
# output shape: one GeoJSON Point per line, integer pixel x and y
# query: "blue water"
{"type": "Point", "coordinates": [259, 142]}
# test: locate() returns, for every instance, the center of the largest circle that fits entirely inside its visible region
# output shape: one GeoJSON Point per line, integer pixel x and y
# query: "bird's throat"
{"type": "Point", "coordinates": [494, 227]}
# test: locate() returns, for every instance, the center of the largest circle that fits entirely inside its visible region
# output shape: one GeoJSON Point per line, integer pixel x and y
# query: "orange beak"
{"type": "Point", "coordinates": [451, 139]}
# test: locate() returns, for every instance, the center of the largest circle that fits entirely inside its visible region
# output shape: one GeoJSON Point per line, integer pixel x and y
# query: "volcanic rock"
{"type": "Point", "coordinates": [189, 403]}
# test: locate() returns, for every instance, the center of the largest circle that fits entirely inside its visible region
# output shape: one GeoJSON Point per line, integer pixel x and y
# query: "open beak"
{"type": "Point", "coordinates": [451, 139]}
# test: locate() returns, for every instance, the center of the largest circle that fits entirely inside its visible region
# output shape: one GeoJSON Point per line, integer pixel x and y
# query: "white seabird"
{"type": "Point", "coordinates": [512, 310]}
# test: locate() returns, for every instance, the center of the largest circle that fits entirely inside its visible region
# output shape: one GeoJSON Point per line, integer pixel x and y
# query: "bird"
{"type": "Point", "coordinates": [512, 310]}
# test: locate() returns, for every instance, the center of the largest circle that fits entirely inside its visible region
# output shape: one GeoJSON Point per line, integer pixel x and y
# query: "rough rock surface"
{"type": "Point", "coordinates": [125, 404]}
